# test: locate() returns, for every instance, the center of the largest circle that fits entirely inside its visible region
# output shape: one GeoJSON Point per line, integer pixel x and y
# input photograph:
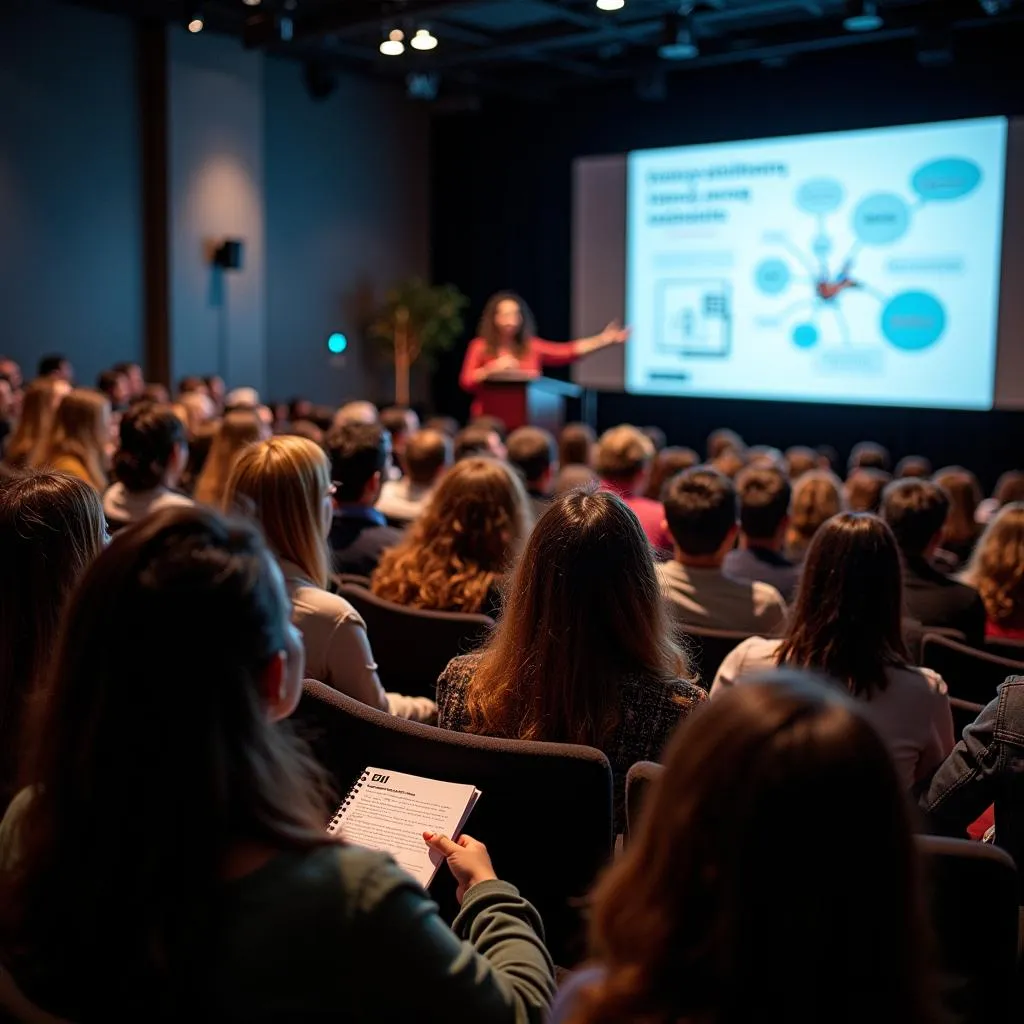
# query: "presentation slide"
{"type": "Point", "coordinates": [858, 267]}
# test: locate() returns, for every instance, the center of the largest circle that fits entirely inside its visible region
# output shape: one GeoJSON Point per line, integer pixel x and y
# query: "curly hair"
{"type": "Point", "coordinates": [464, 541]}
{"type": "Point", "coordinates": [997, 567]}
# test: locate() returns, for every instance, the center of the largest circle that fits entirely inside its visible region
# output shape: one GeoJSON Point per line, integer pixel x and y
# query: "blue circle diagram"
{"type": "Point", "coordinates": [913, 321]}
{"type": "Point", "coordinates": [805, 336]}
{"type": "Point", "coordinates": [772, 276]}
{"type": "Point", "coordinates": [820, 195]}
{"type": "Point", "coordinates": [881, 219]}
{"type": "Point", "coordinates": [946, 179]}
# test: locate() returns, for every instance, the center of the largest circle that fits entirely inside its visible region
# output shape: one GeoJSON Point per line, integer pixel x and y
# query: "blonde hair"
{"type": "Point", "coordinates": [997, 566]}
{"type": "Point", "coordinates": [283, 482]}
{"type": "Point", "coordinates": [466, 538]}
{"type": "Point", "coordinates": [236, 432]}
{"type": "Point", "coordinates": [80, 431]}
{"type": "Point", "coordinates": [817, 497]}
{"type": "Point", "coordinates": [33, 429]}
{"type": "Point", "coordinates": [623, 452]}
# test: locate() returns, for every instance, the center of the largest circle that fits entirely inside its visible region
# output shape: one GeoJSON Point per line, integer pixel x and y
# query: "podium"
{"type": "Point", "coordinates": [523, 399]}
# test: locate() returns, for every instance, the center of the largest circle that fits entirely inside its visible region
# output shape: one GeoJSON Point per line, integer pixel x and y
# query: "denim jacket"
{"type": "Point", "coordinates": [985, 767]}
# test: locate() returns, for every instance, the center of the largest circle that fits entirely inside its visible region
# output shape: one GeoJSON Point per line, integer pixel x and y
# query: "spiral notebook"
{"type": "Point", "coordinates": [390, 811]}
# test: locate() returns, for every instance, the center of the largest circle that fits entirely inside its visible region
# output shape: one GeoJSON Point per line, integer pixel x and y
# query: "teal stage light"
{"type": "Point", "coordinates": [337, 343]}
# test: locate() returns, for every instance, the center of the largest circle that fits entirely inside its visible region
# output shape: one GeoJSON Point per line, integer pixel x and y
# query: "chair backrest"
{"type": "Point", "coordinates": [349, 579]}
{"type": "Point", "coordinates": [708, 648]}
{"type": "Point", "coordinates": [970, 674]}
{"type": "Point", "coordinates": [964, 713]}
{"type": "Point", "coordinates": [639, 780]}
{"type": "Point", "coordinates": [545, 814]}
{"type": "Point", "coordinates": [413, 646]}
{"type": "Point", "coordinates": [1005, 648]}
{"type": "Point", "coordinates": [973, 896]}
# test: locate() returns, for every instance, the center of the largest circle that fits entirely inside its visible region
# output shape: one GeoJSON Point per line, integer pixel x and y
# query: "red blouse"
{"type": "Point", "coordinates": [539, 353]}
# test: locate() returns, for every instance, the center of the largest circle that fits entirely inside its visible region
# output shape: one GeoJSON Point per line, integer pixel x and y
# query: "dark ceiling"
{"type": "Point", "coordinates": [534, 48]}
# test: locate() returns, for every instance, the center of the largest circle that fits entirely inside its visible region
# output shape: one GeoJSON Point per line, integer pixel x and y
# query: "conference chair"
{"type": "Point", "coordinates": [349, 579]}
{"type": "Point", "coordinates": [964, 713]}
{"type": "Point", "coordinates": [545, 813]}
{"type": "Point", "coordinates": [970, 674]}
{"type": "Point", "coordinates": [412, 646]}
{"type": "Point", "coordinates": [1005, 648]}
{"type": "Point", "coordinates": [640, 780]}
{"type": "Point", "coordinates": [708, 648]}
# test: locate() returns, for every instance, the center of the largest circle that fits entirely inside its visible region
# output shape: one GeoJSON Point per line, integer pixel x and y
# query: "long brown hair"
{"type": "Point", "coordinates": [778, 835]}
{"type": "Point", "coordinates": [847, 619]}
{"type": "Point", "coordinates": [997, 566]}
{"type": "Point", "coordinates": [817, 496]}
{"type": "Point", "coordinates": [34, 426]}
{"type": "Point", "coordinates": [148, 765]}
{"type": "Point", "coordinates": [463, 542]}
{"type": "Point", "coordinates": [51, 528]}
{"type": "Point", "coordinates": [80, 431]}
{"type": "Point", "coordinates": [489, 332]}
{"type": "Point", "coordinates": [583, 611]}
{"type": "Point", "coordinates": [960, 529]}
{"type": "Point", "coordinates": [237, 430]}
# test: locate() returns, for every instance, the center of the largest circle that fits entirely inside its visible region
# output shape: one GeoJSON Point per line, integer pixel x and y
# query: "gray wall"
{"type": "Point", "coordinates": [70, 202]}
{"type": "Point", "coordinates": [347, 196]}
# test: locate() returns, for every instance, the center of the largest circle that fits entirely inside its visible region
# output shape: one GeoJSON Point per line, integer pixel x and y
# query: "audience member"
{"type": "Point", "coordinates": [401, 423]}
{"type": "Point", "coordinates": [765, 456]}
{"type": "Point", "coordinates": [863, 489]}
{"type": "Point", "coordinates": [428, 454]}
{"type": "Point", "coordinates": [116, 387]}
{"type": "Point", "coordinates": [495, 423]}
{"type": "Point", "coordinates": [532, 453]}
{"type": "Point", "coordinates": [996, 571]}
{"type": "Point", "coordinates": [8, 409]}
{"type": "Point", "coordinates": [12, 371]}
{"type": "Point", "coordinates": [584, 652]}
{"type": "Point", "coordinates": [360, 455]}
{"type": "Point", "coordinates": [56, 367]}
{"type": "Point", "coordinates": [51, 528]}
{"type": "Point", "coordinates": [701, 509]}
{"type": "Point", "coordinates": [199, 410]}
{"type": "Point", "coordinates": [236, 432]}
{"type": "Point", "coordinates": [961, 530]}
{"type": "Point", "coordinates": [623, 463]}
{"type": "Point", "coordinates": [156, 393]}
{"type": "Point", "coordinates": [78, 438]}
{"type": "Point", "coordinates": [30, 435]}
{"type": "Point", "coordinates": [1009, 487]}
{"type": "Point", "coordinates": [656, 436]}
{"type": "Point", "coordinates": [913, 465]}
{"type": "Point", "coordinates": [916, 510]}
{"type": "Point", "coordinates": [574, 478]}
{"type": "Point", "coordinates": [800, 460]}
{"type": "Point", "coordinates": [136, 380]}
{"type": "Point", "coordinates": [356, 412]}
{"type": "Point", "coordinates": [193, 385]}
{"type": "Point", "coordinates": [776, 836]}
{"type": "Point", "coordinates": [576, 444]}
{"type": "Point", "coordinates": [447, 425]}
{"type": "Point", "coordinates": [304, 428]}
{"type": "Point", "coordinates": [828, 458]}
{"type": "Point", "coordinates": [764, 520]}
{"type": "Point", "coordinates": [667, 463]}
{"type": "Point", "coordinates": [456, 554]}
{"type": "Point", "coordinates": [817, 496]}
{"type": "Point", "coordinates": [236, 398]}
{"type": "Point", "coordinates": [217, 390]}
{"type": "Point", "coordinates": [730, 463]}
{"type": "Point", "coordinates": [244, 908]}
{"type": "Point", "coordinates": [147, 466]}
{"type": "Point", "coordinates": [473, 441]}
{"type": "Point", "coordinates": [722, 440]}
{"type": "Point", "coordinates": [869, 455]}
{"type": "Point", "coordinates": [847, 624]}
{"type": "Point", "coordinates": [285, 483]}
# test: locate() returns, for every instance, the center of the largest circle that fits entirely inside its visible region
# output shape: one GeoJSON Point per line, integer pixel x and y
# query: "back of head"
{"type": "Point", "coordinates": [427, 453]}
{"type": "Point", "coordinates": [667, 463]}
{"type": "Point", "coordinates": [913, 465]}
{"type": "Point", "coordinates": [721, 892]}
{"type": "Point", "coordinates": [357, 451]}
{"type": "Point", "coordinates": [472, 441]}
{"type": "Point", "coordinates": [236, 431]}
{"type": "Point", "coordinates": [656, 436]}
{"type": "Point", "coordinates": [869, 455]}
{"type": "Point", "coordinates": [817, 496]}
{"type": "Point", "coordinates": [916, 511]}
{"type": "Point", "coordinates": [583, 612]}
{"type": "Point", "coordinates": [285, 483]}
{"type": "Point", "coordinates": [997, 566]}
{"type": "Point", "coordinates": [701, 508]}
{"type": "Point", "coordinates": [1009, 487]}
{"type": "Point", "coordinates": [623, 454]}
{"type": "Point", "coordinates": [764, 502]}
{"type": "Point", "coordinates": [847, 618]}
{"type": "Point", "coordinates": [730, 463]}
{"type": "Point", "coordinates": [447, 425]}
{"type": "Point", "coordinates": [574, 477]}
{"type": "Point", "coordinates": [51, 364]}
{"type": "Point", "coordinates": [532, 452]}
{"type": "Point", "coordinates": [800, 460]}
{"type": "Point", "coordinates": [495, 423]}
{"type": "Point", "coordinates": [964, 492]}
{"type": "Point", "coordinates": [399, 421]}
{"type": "Point", "coordinates": [723, 439]}
{"type": "Point", "coordinates": [80, 429]}
{"type": "Point", "coordinates": [150, 434]}
{"type": "Point", "coordinates": [241, 398]}
{"type": "Point", "coordinates": [864, 489]}
{"type": "Point", "coordinates": [33, 429]}
{"type": "Point", "coordinates": [114, 384]}
{"type": "Point", "coordinates": [576, 444]}
{"type": "Point", "coordinates": [356, 412]}
{"type": "Point", "coordinates": [190, 385]}
{"type": "Point", "coordinates": [116, 735]}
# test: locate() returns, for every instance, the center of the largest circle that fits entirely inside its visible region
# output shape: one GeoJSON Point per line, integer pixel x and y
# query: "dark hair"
{"type": "Point", "coordinates": [656, 436]}
{"type": "Point", "coordinates": [126, 367]}
{"type": "Point", "coordinates": [189, 384]}
{"type": "Point", "coordinates": [50, 364]}
{"type": "Point", "coordinates": [847, 618]}
{"type": "Point", "coordinates": [487, 330]}
{"type": "Point", "coordinates": [964, 492]}
{"type": "Point", "coordinates": [701, 508]}
{"type": "Point", "coordinates": [916, 511]}
{"type": "Point", "coordinates": [395, 420]}
{"type": "Point", "coordinates": [869, 455]}
{"type": "Point", "coordinates": [531, 451]}
{"type": "Point", "coordinates": [107, 382]}
{"type": "Point", "coordinates": [575, 444]}
{"type": "Point", "coordinates": [491, 423]}
{"type": "Point", "coordinates": [728, 884]}
{"type": "Point", "coordinates": [864, 489]}
{"type": "Point", "coordinates": [913, 465]}
{"type": "Point", "coordinates": [1009, 487]}
{"type": "Point", "coordinates": [356, 451]}
{"type": "Point", "coordinates": [447, 425]}
{"type": "Point", "coordinates": [51, 528]}
{"type": "Point", "coordinates": [583, 610]}
{"type": "Point", "coordinates": [764, 495]}
{"type": "Point", "coordinates": [827, 452]}
{"type": "Point", "coordinates": [801, 459]}
{"type": "Point", "coordinates": [666, 464]}
{"type": "Point", "coordinates": [149, 435]}
{"type": "Point", "coordinates": [721, 440]}
{"type": "Point", "coordinates": [427, 452]}
{"type": "Point", "coordinates": [139, 791]}
{"type": "Point", "coordinates": [472, 441]}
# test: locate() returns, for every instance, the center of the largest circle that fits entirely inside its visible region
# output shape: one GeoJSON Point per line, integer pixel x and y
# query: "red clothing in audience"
{"type": "Point", "coordinates": [651, 514]}
{"type": "Point", "coordinates": [996, 632]}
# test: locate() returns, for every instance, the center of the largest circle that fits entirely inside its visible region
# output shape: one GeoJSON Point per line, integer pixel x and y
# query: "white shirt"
{"type": "Point", "coordinates": [911, 714]}
{"type": "Point", "coordinates": [402, 500]}
{"type": "Point", "coordinates": [122, 506]}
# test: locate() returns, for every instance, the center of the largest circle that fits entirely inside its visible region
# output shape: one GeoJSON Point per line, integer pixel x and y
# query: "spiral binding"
{"type": "Point", "coordinates": [336, 820]}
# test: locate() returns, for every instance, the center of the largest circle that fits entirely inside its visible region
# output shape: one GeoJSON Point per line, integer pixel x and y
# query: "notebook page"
{"type": "Point", "coordinates": [390, 811]}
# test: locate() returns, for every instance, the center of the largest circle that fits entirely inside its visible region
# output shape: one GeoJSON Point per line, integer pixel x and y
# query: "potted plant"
{"type": "Point", "coordinates": [416, 322]}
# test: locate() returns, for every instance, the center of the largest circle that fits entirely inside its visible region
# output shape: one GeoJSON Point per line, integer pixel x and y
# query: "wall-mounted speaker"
{"type": "Point", "coordinates": [228, 255]}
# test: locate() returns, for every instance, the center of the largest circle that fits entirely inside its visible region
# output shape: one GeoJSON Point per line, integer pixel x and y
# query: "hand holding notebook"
{"type": "Point", "coordinates": [467, 858]}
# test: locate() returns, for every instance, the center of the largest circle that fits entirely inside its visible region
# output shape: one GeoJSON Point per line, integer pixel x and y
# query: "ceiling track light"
{"type": "Point", "coordinates": [393, 44]}
{"type": "Point", "coordinates": [424, 39]}
{"type": "Point", "coordinates": [251, 3]}
{"type": "Point", "coordinates": [610, 5]}
{"type": "Point", "coordinates": [196, 23]}
{"type": "Point", "coordinates": [680, 42]}
{"type": "Point", "coordinates": [863, 17]}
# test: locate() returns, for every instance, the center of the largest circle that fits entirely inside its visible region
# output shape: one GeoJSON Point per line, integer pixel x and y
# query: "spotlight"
{"type": "Point", "coordinates": [251, 3]}
{"type": "Point", "coordinates": [679, 41]}
{"type": "Point", "coordinates": [423, 40]}
{"type": "Point", "coordinates": [610, 5]}
{"type": "Point", "coordinates": [864, 17]}
{"type": "Point", "coordinates": [195, 23]}
{"type": "Point", "coordinates": [394, 45]}
{"type": "Point", "coordinates": [337, 343]}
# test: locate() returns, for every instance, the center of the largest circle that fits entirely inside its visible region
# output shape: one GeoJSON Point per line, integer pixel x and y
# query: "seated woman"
{"type": "Point", "coordinates": [171, 860]}
{"type": "Point", "coordinates": [584, 652]}
{"type": "Point", "coordinates": [38, 406]}
{"type": "Point", "coordinates": [777, 835]}
{"type": "Point", "coordinates": [961, 530]}
{"type": "Point", "coordinates": [454, 557]}
{"type": "Point", "coordinates": [79, 438]}
{"type": "Point", "coordinates": [236, 431]}
{"type": "Point", "coordinates": [846, 624]}
{"type": "Point", "coordinates": [286, 484]}
{"type": "Point", "coordinates": [147, 465]}
{"type": "Point", "coordinates": [817, 496]}
{"type": "Point", "coordinates": [51, 528]}
{"type": "Point", "coordinates": [996, 571]}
